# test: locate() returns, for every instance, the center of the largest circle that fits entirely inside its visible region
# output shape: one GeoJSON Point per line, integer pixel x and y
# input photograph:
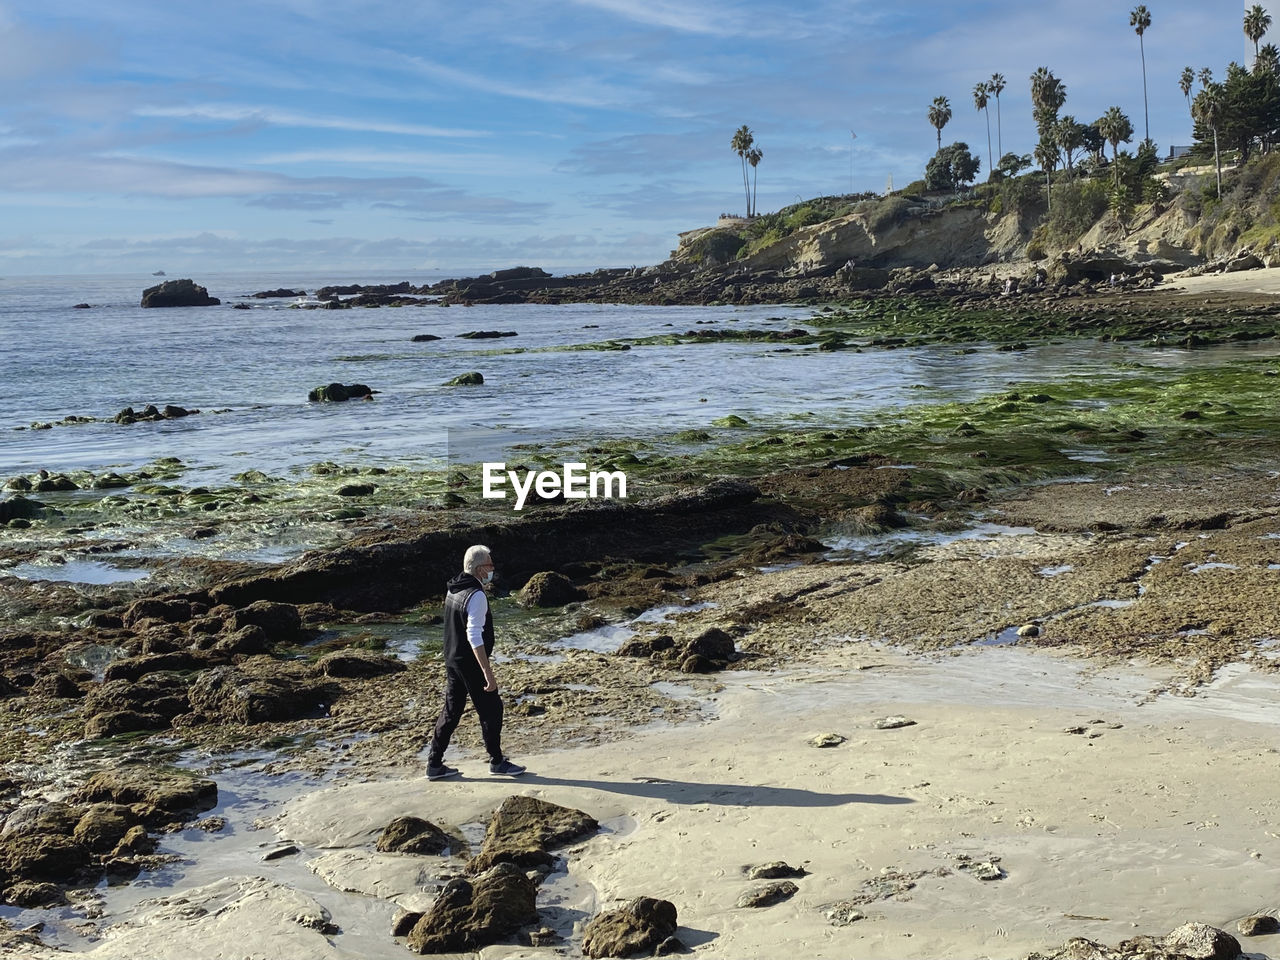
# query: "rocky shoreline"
{"type": "Point", "coordinates": [207, 665]}
{"type": "Point", "coordinates": [826, 551]}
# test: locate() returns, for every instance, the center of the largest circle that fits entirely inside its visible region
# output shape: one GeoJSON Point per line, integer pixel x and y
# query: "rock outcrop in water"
{"type": "Point", "coordinates": [178, 293]}
{"type": "Point", "coordinates": [150, 414]}
{"type": "Point", "coordinates": [340, 393]}
{"type": "Point", "coordinates": [103, 829]}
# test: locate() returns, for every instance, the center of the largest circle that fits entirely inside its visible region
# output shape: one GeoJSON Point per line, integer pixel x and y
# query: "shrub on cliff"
{"type": "Point", "coordinates": [1022, 195]}
{"type": "Point", "coordinates": [1076, 207]}
{"type": "Point", "coordinates": [716, 247]}
{"type": "Point", "coordinates": [887, 214]}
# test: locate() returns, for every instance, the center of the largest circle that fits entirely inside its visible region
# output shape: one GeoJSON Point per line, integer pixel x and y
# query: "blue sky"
{"type": "Point", "coordinates": [442, 136]}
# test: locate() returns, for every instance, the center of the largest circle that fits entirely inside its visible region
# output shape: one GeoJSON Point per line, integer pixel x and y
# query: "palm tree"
{"type": "Point", "coordinates": [1048, 94]}
{"type": "Point", "coordinates": [1140, 19]}
{"type": "Point", "coordinates": [1069, 136]}
{"type": "Point", "coordinates": [1207, 109]}
{"type": "Point", "coordinates": [741, 145]}
{"type": "Point", "coordinates": [1205, 76]}
{"type": "Point", "coordinates": [980, 101]}
{"type": "Point", "coordinates": [996, 85]}
{"type": "Point", "coordinates": [1185, 82]}
{"type": "Point", "coordinates": [1046, 155]}
{"type": "Point", "coordinates": [754, 156]}
{"type": "Point", "coordinates": [1116, 128]}
{"type": "Point", "coordinates": [940, 115]}
{"type": "Point", "coordinates": [1256, 22]}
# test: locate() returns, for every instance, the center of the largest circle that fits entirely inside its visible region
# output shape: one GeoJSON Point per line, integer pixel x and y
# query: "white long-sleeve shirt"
{"type": "Point", "coordinates": [477, 610]}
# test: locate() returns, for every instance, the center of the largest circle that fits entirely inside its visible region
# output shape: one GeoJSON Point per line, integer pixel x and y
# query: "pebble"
{"type": "Point", "coordinates": [986, 870]}
{"type": "Point", "coordinates": [768, 895]}
{"type": "Point", "coordinates": [280, 853]}
{"type": "Point", "coordinates": [826, 740]}
{"type": "Point", "coordinates": [893, 723]}
{"type": "Point", "coordinates": [844, 913]}
{"type": "Point", "coordinates": [774, 870]}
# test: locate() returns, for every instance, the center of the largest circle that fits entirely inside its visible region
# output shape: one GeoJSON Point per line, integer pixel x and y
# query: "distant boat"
{"type": "Point", "coordinates": [159, 273]}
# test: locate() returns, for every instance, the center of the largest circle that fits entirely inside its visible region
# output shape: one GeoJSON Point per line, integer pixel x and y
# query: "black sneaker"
{"type": "Point", "coordinates": [440, 772]}
{"type": "Point", "coordinates": [506, 768]}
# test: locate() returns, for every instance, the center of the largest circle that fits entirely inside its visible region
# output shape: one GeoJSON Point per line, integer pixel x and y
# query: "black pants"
{"type": "Point", "coordinates": [459, 683]}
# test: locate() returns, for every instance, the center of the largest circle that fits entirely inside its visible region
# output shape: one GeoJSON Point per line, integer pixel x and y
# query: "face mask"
{"type": "Point", "coordinates": [487, 578]}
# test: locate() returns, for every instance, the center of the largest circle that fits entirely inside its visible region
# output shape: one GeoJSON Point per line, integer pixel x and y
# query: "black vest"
{"type": "Point", "coordinates": [457, 648]}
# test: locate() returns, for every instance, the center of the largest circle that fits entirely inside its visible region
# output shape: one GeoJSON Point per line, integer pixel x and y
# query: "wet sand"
{"type": "Point", "coordinates": [1151, 813]}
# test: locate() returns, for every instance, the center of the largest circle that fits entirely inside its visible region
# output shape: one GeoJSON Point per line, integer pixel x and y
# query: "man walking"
{"type": "Point", "coordinates": [468, 644]}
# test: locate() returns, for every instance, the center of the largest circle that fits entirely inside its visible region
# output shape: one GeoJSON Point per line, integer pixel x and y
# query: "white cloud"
{"type": "Point", "coordinates": [36, 174]}
{"type": "Point", "coordinates": [585, 94]}
{"type": "Point", "coordinates": [283, 118]}
{"type": "Point", "coordinates": [435, 161]}
{"type": "Point", "coordinates": [672, 14]}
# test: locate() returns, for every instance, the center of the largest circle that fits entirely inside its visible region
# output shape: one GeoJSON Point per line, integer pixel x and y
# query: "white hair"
{"type": "Point", "coordinates": [475, 558]}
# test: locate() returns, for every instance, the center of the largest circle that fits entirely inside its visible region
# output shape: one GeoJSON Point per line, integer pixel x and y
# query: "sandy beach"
{"type": "Point", "coordinates": [1108, 813]}
{"type": "Point", "coordinates": [1264, 281]}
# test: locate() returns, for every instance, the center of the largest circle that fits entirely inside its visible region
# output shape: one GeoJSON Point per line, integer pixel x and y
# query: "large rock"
{"type": "Point", "coordinates": [638, 927]}
{"type": "Point", "coordinates": [358, 664]}
{"type": "Point", "coordinates": [30, 895]}
{"type": "Point", "coordinates": [113, 723]}
{"type": "Point", "coordinates": [132, 668]}
{"type": "Point", "coordinates": [164, 694]}
{"type": "Point", "coordinates": [467, 916]}
{"type": "Point", "coordinates": [20, 508]}
{"type": "Point", "coordinates": [466, 380]}
{"type": "Point", "coordinates": [41, 818]}
{"type": "Point", "coordinates": [260, 690]}
{"type": "Point", "coordinates": [152, 608]}
{"type": "Point", "coordinates": [248, 640]}
{"type": "Point", "coordinates": [178, 293]}
{"type": "Point", "coordinates": [339, 393]}
{"type": "Point", "coordinates": [1199, 941]}
{"type": "Point", "coordinates": [524, 828]}
{"type": "Point", "coordinates": [713, 643]}
{"type": "Point", "coordinates": [170, 791]}
{"type": "Point", "coordinates": [56, 858]}
{"type": "Point", "coordinates": [549, 589]}
{"type": "Point", "coordinates": [519, 273]}
{"type": "Point", "coordinates": [104, 825]}
{"type": "Point", "coordinates": [413, 835]}
{"type": "Point", "coordinates": [863, 278]}
{"type": "Point", "coordinates": [281, 621]}
{"type": "Point", "coordinates": [1245, 260]}
{"type": "Point", "coordinates": [1099, 268]}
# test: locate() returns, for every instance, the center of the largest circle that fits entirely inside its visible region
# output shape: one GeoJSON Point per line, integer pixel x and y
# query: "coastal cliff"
{"type": "Point", "coordinates": [1183, 223]}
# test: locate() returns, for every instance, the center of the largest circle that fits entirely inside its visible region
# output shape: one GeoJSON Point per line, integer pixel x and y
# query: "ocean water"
{"type": "Point", "coordinates": [249, 372]}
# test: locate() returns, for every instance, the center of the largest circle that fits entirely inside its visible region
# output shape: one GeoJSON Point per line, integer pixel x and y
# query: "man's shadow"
{"type": "Point", "coordinates": [724, 794]}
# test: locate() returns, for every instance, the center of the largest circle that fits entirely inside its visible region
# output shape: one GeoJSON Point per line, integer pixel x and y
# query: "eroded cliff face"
{"type": "Point", "coordinates": [960, 235]}
{"type": "Point", "coordinates": [921, 235]}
